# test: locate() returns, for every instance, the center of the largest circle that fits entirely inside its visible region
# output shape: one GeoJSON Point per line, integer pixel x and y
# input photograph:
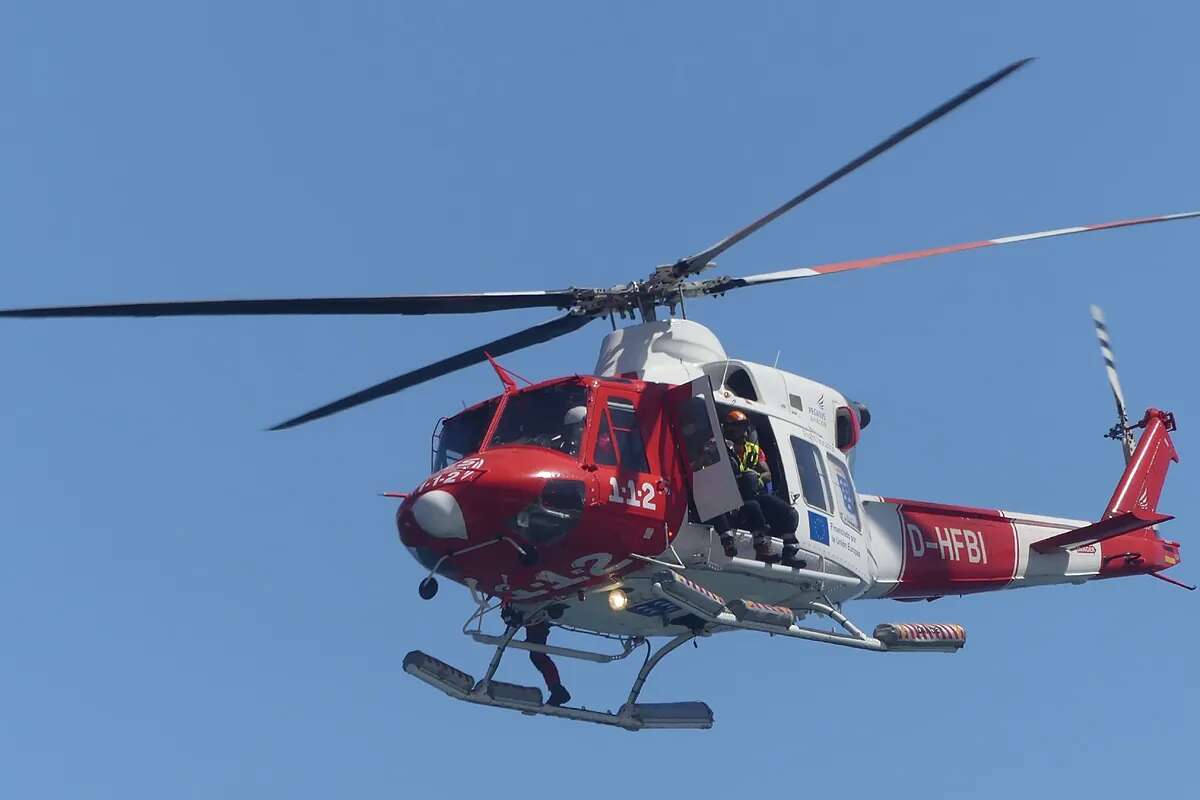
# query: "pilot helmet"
{"type": "Point", "coordinates": [575, 415]}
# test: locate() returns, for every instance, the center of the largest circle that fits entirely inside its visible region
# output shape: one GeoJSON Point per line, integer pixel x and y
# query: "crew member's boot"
{"type": "Point", "coordinates": [558, 695]}
{"type": "Point", "coordinates": [791, 550]}
{"type": "Point", "coordinates": [762, 548]}
{"type": "Point", "coordinates": [728, 544]}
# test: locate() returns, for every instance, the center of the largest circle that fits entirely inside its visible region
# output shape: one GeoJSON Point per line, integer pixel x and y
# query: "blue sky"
{"type": "Point", "coordinates": [195, 607]}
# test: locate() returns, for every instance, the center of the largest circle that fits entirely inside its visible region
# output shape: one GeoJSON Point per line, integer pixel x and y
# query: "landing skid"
{"type": "Point", "coordinates": [710, 613]}
{"type": "Point", "coordinates": [633, 716]}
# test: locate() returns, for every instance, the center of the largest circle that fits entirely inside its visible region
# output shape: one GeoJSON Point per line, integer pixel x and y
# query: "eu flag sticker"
{"type": "Point", "coordinates": [818, 528]}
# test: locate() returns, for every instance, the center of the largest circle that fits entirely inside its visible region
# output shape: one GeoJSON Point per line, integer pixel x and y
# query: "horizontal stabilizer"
{"type": "Point", "coordinates": [1126, 522]}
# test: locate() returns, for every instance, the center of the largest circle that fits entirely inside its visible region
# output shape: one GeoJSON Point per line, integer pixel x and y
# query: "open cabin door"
{"type": "Point", "coordinates": [693, 418]}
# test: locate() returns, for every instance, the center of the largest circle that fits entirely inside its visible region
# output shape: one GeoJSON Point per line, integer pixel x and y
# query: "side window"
{"type": "Point", "coordinates": [848, 505]}
{"type": "Point", "coordinates": [606, 450]}
{"type": "Point", "coordinates": [619, 439]}
{"type": "Point", "coordinates": [698, 440]}
{"type": "Point", "coordinates": [813, 481]}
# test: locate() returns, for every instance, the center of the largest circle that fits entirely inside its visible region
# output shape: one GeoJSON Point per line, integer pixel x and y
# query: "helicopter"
{"type": "Point", "coordinates": [610, 503]}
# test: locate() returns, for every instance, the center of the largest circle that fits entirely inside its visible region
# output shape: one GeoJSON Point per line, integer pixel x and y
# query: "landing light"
{"type": "Point", "coordinates": [617, 599]}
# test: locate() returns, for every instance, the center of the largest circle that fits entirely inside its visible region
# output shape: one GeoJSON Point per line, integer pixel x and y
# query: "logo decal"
{"type": "Point", "coordinates": [658, 607]}
{"type": "Point", "coordinates": [817, 411]}
{"type": "Point", "coordinates": [818, 528]}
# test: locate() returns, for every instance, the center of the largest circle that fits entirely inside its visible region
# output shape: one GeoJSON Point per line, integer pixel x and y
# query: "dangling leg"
{"type": "Point", "coordinates": [784, 520]}
{"type": "Point", "coordinates": [724, 529]}
{"type": "Point", "coordinates": [752, 516]}
{"type": "Point", "coordinates": [538, 634]}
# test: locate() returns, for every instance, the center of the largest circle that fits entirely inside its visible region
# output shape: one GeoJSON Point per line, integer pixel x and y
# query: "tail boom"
{"type": "Point", "coordinates": [926, 550]}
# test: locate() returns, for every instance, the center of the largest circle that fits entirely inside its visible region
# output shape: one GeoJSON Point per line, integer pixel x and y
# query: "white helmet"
{"type": "Point", "coordinates": [575, 415]}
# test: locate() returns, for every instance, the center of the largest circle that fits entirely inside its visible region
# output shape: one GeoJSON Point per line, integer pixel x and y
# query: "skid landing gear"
{"type": "Point", "coordinates": [631, 716]}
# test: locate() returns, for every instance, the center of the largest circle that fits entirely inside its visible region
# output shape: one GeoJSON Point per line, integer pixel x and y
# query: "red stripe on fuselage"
{"type": "Point", "coordinates": [954, 549]}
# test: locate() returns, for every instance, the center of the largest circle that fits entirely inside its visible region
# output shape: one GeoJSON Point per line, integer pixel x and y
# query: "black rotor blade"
{"type": "Point", "coordinates": [508, 344]}
{"type": "Point", "coordinates": [704, 256]}
{"type": "Point", "coordinates": [470, 303]}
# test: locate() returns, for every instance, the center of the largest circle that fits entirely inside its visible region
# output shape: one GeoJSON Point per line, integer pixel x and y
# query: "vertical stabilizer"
{"type": "Point", "coordinates": [1142, 483]}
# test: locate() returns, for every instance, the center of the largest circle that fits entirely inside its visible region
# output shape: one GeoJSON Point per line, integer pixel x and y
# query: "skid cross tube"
{"type": "Point", "coordinates": [499, 654]}
{"type": "Point", "coordinates": [650, 664]}
{"type": "Point", "coordinates": [628, 646]}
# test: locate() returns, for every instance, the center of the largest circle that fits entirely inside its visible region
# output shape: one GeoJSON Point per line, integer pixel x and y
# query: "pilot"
{"type": "Point", "coordinates": [572, 430]}
{"type": "Point", "coordinates": [766, 514]}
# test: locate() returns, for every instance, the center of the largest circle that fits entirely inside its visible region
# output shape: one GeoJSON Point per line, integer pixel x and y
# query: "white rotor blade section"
{"type": "Point", "coordinates": [1114, 383]}
{"type": "Point", "coordinates": [879, 261]}
{"type": "Point", "coordinates": [1110, 363]}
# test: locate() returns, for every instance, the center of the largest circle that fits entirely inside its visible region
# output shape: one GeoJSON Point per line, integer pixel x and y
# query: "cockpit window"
{"type": "Point", "coordinates": [606, 449]}
{"type": "Point", "coordinates": [620, 443]}
{"type": "Point", "coordinates": [462, 435]}
{"type": "Point", "coordinates": [552, 417]}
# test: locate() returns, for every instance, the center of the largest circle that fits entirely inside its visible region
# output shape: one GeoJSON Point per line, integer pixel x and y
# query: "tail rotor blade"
{"type": "Point", "coordinates": [1114, 382]}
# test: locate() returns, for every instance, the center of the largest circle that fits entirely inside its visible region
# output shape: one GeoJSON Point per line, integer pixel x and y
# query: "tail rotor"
{"type": "Point", "coordinates": [1122, 430]}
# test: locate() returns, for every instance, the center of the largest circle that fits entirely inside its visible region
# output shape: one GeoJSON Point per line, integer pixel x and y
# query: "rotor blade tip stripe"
{"type": "Point", "coordinates": [913, 255]}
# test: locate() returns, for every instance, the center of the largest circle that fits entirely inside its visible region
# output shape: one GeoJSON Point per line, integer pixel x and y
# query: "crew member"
{"type": "Point", "coordinates": [571, 435]}
{"type": "Point", "coordinates": [538, 634]}
{"type": "Point", "coordinates": [765, 513]}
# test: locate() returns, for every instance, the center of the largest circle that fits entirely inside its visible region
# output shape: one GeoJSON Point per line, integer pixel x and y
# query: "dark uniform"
{"type": "Point", "coordinates": [538, 634]}
{"type": "Point", "coordinates": [762, 513]}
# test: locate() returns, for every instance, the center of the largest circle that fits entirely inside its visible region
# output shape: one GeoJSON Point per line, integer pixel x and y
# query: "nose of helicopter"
{"type": "Point", "coordinates": [438, 513]}
{"type": "Point", "coordinates": [519, 523]}
{"type": "Point", "coordinates": [518, 494]}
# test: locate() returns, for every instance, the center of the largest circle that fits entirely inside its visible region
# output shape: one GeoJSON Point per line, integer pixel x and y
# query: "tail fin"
{"type": "Point", "coordinates": [1142, 482]}
{"type": "Point", "coordinates": [1134, 504]}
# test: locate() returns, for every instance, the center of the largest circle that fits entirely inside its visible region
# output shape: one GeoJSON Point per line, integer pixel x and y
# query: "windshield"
{"type": "Point", "coordinates": [553, 417]}
{"type": "Point", "coordinates": [461, 436]}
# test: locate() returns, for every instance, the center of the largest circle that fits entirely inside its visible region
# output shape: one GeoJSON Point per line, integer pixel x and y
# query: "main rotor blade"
{"type": "Point", "coordinates": [704, 256]}
{"type": "Point", "coordinates": [508, 344]}
{"type": "Point", "coordinates": [1114, 383]}
{"type": "Point", "coordinates": [914, 255]}
{"type": "Point", "coordinates": [469, 303]}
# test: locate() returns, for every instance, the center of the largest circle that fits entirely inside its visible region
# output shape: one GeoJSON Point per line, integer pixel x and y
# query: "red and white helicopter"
{"type": "Point", "coordinates": [597, 503]}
